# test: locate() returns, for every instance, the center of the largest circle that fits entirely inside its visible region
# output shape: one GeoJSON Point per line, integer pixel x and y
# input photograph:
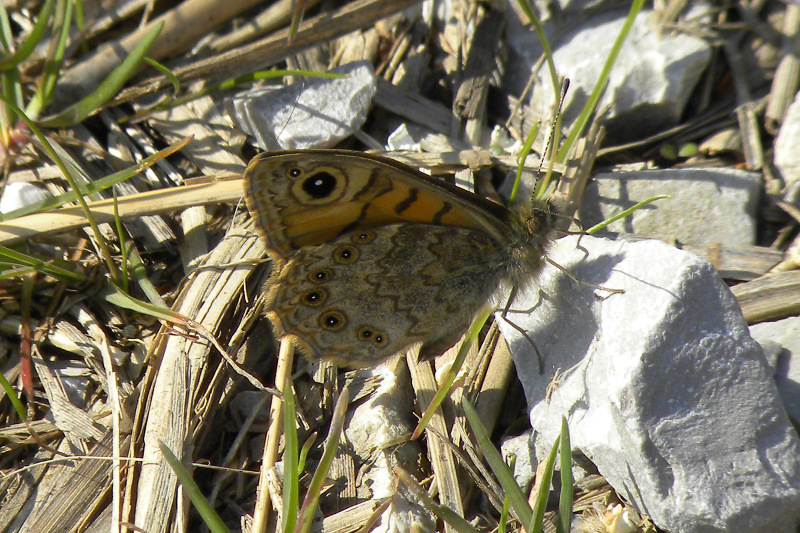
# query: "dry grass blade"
{"type": "Point", "coordinates": [274, 48]}
{"type": "Point", "coordinates": [130, 207]}
{"type": "Point", "coordinates": [770, 297]}
{"type": "Point", "coordinates": [185, 366]}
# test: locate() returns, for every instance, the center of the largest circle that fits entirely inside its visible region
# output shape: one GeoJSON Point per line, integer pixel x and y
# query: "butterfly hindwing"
{"type": "Point", "coordinates": [372, 293]}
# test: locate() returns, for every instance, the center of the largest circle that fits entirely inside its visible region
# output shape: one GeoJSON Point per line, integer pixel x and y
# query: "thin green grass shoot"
{"type": "Point", "coordinates": [566, 497]}
{"type": "Point", "coordinates": [517, 500]}
{"type": "Point", "coordinates": [224, 86]}
{"type": "Point", "coordinates": [623, 214]}
{"type": "Point", "coordinates": [12, 258]}
{"type": "Point", "coordinates": [458, 522]}
{"type": "Point", "coordinates": [24, 50]}
{"type": "Point", "coordinates": [108, 88]}
{"type": "Point", "coordinates": [95, 186]}
{"type": "Point", "coordinates": [444, 388]}
{"type": "Point", "coordinates": [597, 92]}
{"type": "Point", "coordinates": [44, 92]}
{"type": "Point", "coordinates": [210, 517]}
{"type": "Point", "coordinates": [501, 523]}
{"type": "Point", "coordinates": [311, 500]}
{"type": "Point", "coordinates": [11, 394]}
{"type": "Point", "coordinates": [540, 505]}
{"type": "Point", "coordinates": [291, 460]}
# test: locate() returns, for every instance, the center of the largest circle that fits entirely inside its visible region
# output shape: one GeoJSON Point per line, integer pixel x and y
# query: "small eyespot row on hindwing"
{"type": "Point", "coordinates": [371, 335]}
{"type": "Point", "coordinates": [363, 237]}
{"type": "Point", "coordinates": [314, 297]}
{"type": "Point", "coordinates": [332, 320]}
{"type": "Point", "coordinates": [345, 254]}
{"type": "Point", "coordinates": [321, 275]}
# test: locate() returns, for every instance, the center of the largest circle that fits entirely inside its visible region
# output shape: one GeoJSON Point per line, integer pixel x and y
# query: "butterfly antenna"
{"type": "Point", "coordinates": [291, 112]}
{"type": "Point", "coordinates": [549, 147]}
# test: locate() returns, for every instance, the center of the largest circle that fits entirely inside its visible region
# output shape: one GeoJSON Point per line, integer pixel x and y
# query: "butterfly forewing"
{"type": "Point", "coordinates": [299, 198]}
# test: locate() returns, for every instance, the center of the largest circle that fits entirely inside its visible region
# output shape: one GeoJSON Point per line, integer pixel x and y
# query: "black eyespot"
{"type": "Point", "coordinates": [314, 297]}
{"type": "Point", "coordinates": [370, 335]}
{"type": "Point", "coordinates": [319, 185]}
{"type": "Point", "coordinates": [319, 276]}
{"type": "Point", "coordinates": [295, 172]}
{"type": "Point", "coordinates": [363, 237]}
{"type": "Point", "coordinates": [332, 320]}
{"type": "Point", "coordinates": [345, 254]}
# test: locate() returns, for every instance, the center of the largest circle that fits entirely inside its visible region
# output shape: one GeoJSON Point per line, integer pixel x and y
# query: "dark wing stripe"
{"type": "Point", "coordinates": [405, 204]}
{"type": "Point", "coordinates": [373, 178]}
{"type": "Point", "coordinates": [439, 215]}
{"type": "Point", "coordinates": [354, 224]}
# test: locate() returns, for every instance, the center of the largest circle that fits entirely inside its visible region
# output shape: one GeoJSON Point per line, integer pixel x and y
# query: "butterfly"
{"type": "Point", "coordinates": [372, 257]}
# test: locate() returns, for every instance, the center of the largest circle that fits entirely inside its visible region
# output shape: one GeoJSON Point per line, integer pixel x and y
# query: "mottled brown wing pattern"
{"type": "Point", "coordinates": [375, 292]}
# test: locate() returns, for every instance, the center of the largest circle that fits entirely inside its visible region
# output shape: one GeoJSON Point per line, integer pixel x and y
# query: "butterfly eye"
{"type": "Point", "coordinates": [320, 276]}
{"type": "Point", "coordinates": [363, 237]}
{"type": "Point", "coordinates": [345, 254]}
{"type": "Point", "coordinates": [319, 185]}
{"type": "Point", "coordinates": [370, 335]}
{"type": "Point", "coordinates": [332, 320]}
{"type": "Point", "coordinates": [314, 297]}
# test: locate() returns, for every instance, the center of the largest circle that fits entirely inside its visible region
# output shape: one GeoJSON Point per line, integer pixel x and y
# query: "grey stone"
{"type": "Point", "coordinates": [312, 113]}
{"type": "Point", "coordinates": [781, 343]}
{"type": "Point", "coordinates": [787, 156]}
{"type": "Point", "coordinates": [19, 194]}
{"type": "Point", "coordinates": [650, 83]}
{"type": "Point", "coordinates": [707, 205]}
{"type": "Point", "coordinates": [524, 462]}
{"type": "Point", "coordinates": [663, 388]}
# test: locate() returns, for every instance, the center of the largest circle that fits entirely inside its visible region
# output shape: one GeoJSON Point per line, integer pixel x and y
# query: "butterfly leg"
{"type": "Point", "coordinates": [522, 331]}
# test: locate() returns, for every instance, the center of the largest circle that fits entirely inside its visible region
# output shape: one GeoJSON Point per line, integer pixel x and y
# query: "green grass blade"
{"type": "Point", "coordinates": [30, 42]}
{"type": "Point", "coordinates": [113, 295]}
{"type": "Point", "coordinates": [101, 243]}
{"type": "Point", "coordinates": [108, 88]}
{"type": "Point", "coordinates": [539, 29]}
{"type": "Point", "coordinates": [13, 397]}
{"type": "Point", "coordinates": [44, 94]}
{"type": "Point", "coordinates": [625, 213]}
{"type": "Point", "coordinates": [291, 469]}
{"type": "Point", "coordinates": [566, 497]}
{"type": "Point", "coordinates": [504, 475]}
{"type": "Point", "coordinates": [442, 511]}
{"type": "Point", "coordinates": [13, 257]}
{"type": "Point", "coordinates": [227, 85]}
{"type": "Point", "coordinates": [173, 79]}
{"type": "Point", "coordinates": [501, 524]}
{"type": "Point", "coordinates": [523, 155]}
{"type": "Point", "coordinates": [301, 462]}
{"type": "Point", "coordinates": [540, 506]}
{"type": "Point", "coordinates": [599, 87]}
{"type": "Point", "coordinates": [6, 35]}
{"type": "Point", "coordinates": [452, 374]}
{"type": "Point", "coordinates": [95, 186]}
{"type": "Point", "coordinates": [209, 515]}
{"type": "Point", "coordinates": [311, 500]}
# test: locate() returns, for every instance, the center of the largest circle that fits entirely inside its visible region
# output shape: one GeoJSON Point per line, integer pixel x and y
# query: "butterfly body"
{"type": "Point", "coordinates": [372, 257]}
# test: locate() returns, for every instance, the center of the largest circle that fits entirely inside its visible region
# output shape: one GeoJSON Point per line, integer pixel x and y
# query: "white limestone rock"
{"type": "Point", "coordinates": [663, 387]}
{"type": "Point", "coordinates": [311, 113]}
